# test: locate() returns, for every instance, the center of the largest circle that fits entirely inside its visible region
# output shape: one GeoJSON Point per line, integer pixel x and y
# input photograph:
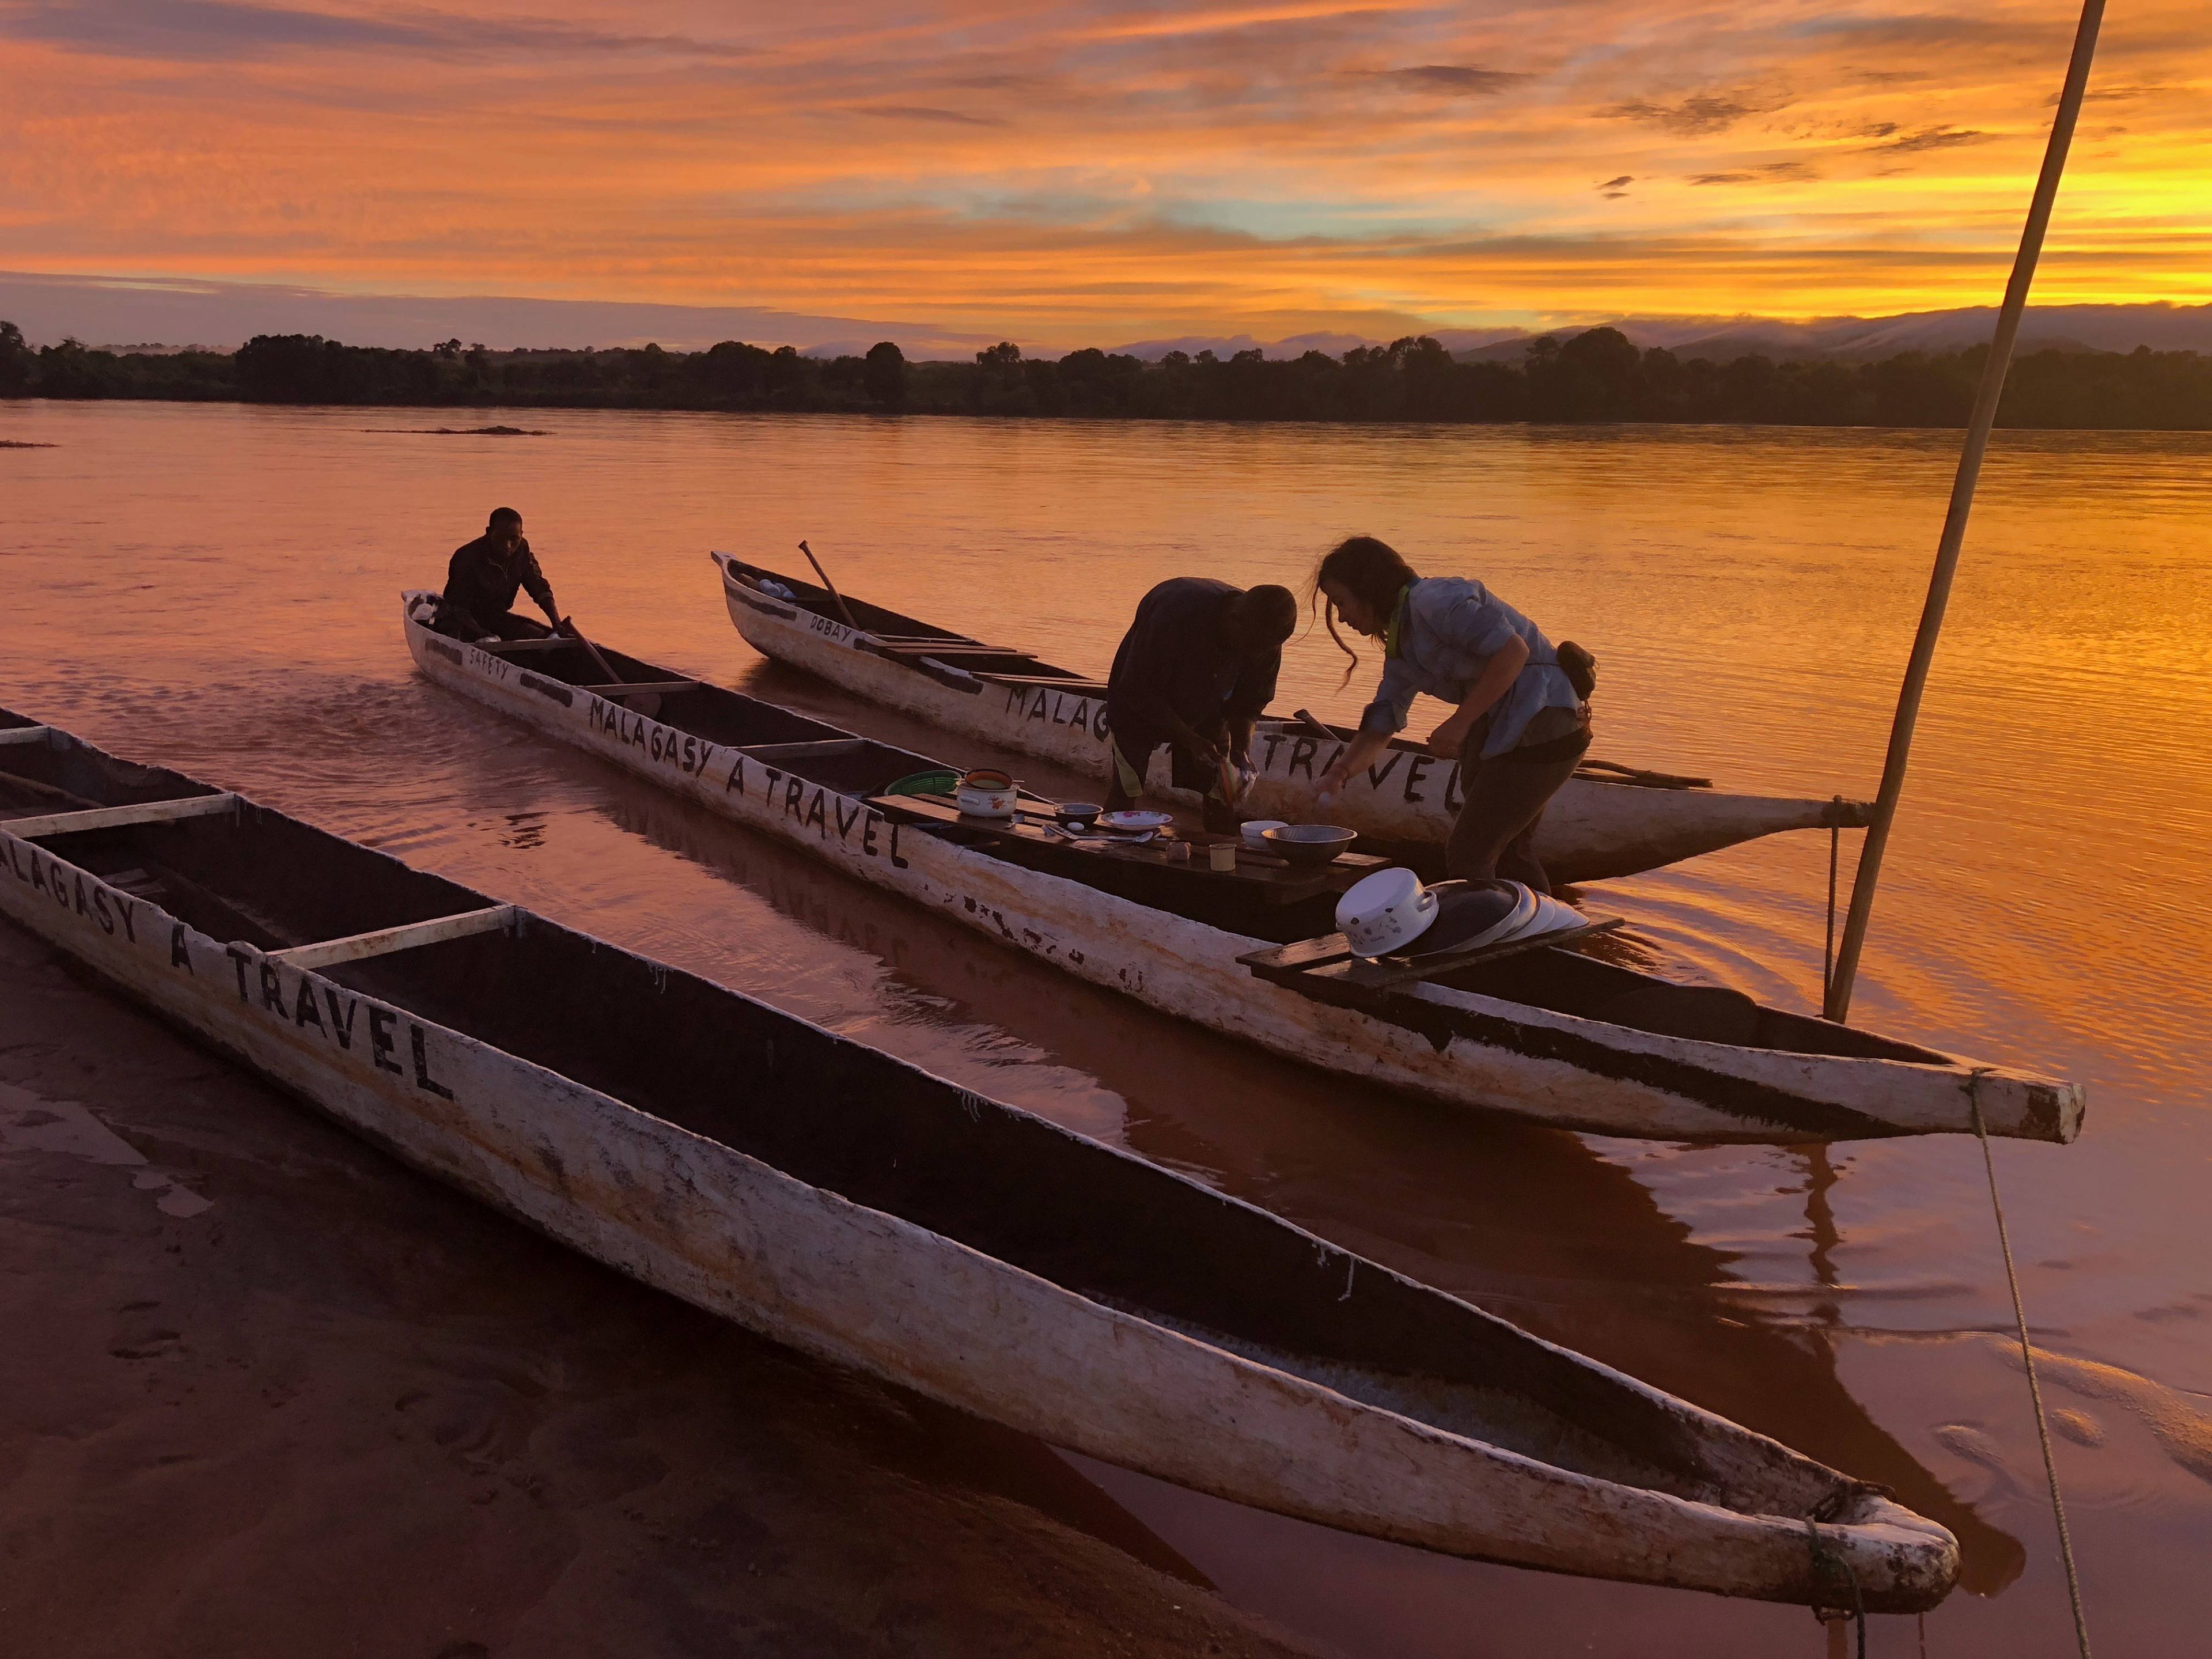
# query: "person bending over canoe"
{"type": "Point", "coordinates": [1520, 725]}
{"type": "Point", "coordinates": [483, 578]}
{"type": "Point", "coordinates": [1194, 671]}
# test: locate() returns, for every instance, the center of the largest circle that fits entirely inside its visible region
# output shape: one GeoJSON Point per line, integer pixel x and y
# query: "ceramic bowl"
{"type": "Point", "coordinates": [1310, 843]}
{"type": "Point", "coordinates": [1256, 832]}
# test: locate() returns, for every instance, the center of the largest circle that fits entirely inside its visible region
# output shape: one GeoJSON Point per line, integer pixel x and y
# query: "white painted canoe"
{"type": "Point", "coordinates": [867, 1213]}
{"type": "Point", "coordinates": [1596, 827]}
{"type": "Point", "coordinates": [1579, 1044]}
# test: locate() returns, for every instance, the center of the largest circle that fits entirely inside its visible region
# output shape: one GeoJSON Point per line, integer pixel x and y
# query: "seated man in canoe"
{"type": "Point", "coordinates": [1194, 671]}
{"type": "Point", "coordinates": [483, 578]}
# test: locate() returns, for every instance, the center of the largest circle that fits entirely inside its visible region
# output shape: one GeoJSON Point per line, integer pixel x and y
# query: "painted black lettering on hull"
{"type": "Point", "coordinates": [1415, 774]}
{"type": "Point", "coordinates": [422, 1078]}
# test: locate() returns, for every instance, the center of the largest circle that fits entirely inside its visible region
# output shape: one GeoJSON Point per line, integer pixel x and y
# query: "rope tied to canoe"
{"type": "Point", "coordinates": [1827, 1564]}
{"type": "Point", "coordinates": [2027, 1360]}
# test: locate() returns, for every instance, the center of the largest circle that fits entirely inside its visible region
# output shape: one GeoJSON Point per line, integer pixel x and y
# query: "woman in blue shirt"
{"type": "Point", "coordinates": [1520, 728]}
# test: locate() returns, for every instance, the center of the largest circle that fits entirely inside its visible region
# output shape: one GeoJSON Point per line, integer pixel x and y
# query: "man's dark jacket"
{"type": "Point", "coordinates": [481, 587]}
{"type": "Point", "coordinates": [1175, 675]}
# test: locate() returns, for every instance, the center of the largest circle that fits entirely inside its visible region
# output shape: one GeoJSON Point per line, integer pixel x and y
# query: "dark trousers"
{"type": "Point", "coordinates": [1495, 834]}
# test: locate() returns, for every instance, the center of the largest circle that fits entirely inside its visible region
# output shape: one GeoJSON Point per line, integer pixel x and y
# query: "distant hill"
{"type": "Point", "coordinates": [106, 310]}
{"type": "Point", "coordinates": [1843, 339]}
{"type": "Point", "coordinates": [1864, 339]}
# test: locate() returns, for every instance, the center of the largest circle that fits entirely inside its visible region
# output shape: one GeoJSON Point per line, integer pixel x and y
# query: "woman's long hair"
{"type": "Point", "coordinates": [1371, 569]}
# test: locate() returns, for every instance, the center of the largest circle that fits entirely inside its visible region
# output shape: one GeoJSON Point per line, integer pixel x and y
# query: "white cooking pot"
{"type": "Point", "coordinates": [986, 794]}
{"type": "Point", "coordinates": [1385, 912]}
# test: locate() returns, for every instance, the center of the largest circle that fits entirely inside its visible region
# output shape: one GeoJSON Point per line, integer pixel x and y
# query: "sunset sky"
{"type": "Point", "coordinates": [1110, 170]}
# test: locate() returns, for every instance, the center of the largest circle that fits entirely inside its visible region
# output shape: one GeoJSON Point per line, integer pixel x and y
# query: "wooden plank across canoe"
{"type": "Point", "coordinates": [117, 817]}
{"type": "Point", "coordinates": [1051, 682]}
{"type": "Point", "coordinates": [874, 1216]}
{"type": "Point", "coordinates": [948, 650]}
{"type": "Point", "coordinates": [409, 935]}
{"type": "Point", "coordinates": [818, 748]}
{"type": "Point", "coordinates": [1334, 956]}
{"type": "Point", "coordinates": [1278, 879]}
{"type": "Point", "coordinates": [640, 688]}
{"type": "Point", "coordinates": [527, 648]}
{"type": "Point", "coordinates": [24, 734]}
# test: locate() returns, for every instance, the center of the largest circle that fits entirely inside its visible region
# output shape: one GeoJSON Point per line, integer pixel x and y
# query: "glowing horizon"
{"type": "Point", "coordinates": [1111, 170]}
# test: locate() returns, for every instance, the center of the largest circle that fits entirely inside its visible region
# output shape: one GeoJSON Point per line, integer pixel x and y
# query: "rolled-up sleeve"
{"type": "Point", "coordinates": [1393, 700]}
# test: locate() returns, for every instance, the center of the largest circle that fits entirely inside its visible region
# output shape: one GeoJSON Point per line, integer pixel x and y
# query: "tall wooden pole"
{"type": "Point", "coordinates": [1962, 502]}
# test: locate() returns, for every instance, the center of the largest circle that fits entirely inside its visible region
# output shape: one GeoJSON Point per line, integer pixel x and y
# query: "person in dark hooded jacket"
{"type": "Point", "coordinates": [1195, 671]}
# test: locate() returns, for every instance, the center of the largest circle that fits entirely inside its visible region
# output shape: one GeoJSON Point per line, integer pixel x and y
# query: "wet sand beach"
{"type": "Point", "coordinates": [216, 589]}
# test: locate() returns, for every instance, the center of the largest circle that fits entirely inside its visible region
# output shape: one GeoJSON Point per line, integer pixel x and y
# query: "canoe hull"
{"type": "Point", "coordinates": [866, 1289]}
{"type": "Point", "coordinates": [1476, 1051]}
{"type": "Point", "coordinates": [1592, 831]}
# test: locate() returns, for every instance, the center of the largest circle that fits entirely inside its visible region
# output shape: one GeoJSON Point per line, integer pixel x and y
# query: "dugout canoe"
{"type": "Point", "coordinates": [1552, 1036]}
{"type": "Point", "coordinates": [1608, 820]}
{"type": "Point", "coordinates": [864, 1211]}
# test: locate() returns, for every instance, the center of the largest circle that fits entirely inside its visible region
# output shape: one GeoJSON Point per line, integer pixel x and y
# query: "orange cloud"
{"type": "Point", "coordinates": [1110, 170]}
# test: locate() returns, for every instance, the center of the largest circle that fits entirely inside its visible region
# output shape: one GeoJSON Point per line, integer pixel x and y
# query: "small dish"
{"type": "Point", "coordinates": [1256, 832]}
{"type": "Point", "coordinates": [1078, 814]}
{"type": "Point", "coordinates": [1136, 819]}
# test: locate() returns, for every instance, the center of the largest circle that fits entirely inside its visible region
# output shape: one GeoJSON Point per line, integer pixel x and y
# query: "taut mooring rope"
{"type": "Point", "coordinates": [2028, 1359]}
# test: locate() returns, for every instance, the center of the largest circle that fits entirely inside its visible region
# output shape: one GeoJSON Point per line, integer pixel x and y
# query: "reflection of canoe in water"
{"type": "Point", "coordinates": [1608, 820]}
{"type": "Point", "coordinates": [868, 1213]}
{"type": "Point", "coordinates": [1552, 1035]}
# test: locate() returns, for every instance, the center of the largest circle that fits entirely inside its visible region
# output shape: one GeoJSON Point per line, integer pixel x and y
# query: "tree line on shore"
{"type": "Point", "coordinates": [1597, 375]}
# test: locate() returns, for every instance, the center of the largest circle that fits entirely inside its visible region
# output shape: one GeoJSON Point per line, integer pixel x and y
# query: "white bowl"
{"type": "Point", "coordinates": [1256, 832]}
{"type": "Point", "coordinates": [1385, 912]}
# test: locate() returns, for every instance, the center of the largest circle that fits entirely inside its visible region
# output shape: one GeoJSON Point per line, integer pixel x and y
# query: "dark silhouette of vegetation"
{"type": "Point", "coordinates": [883, 376]}
{"type": "Point", "coordinates": [16, 362]}
{"type": "Point", "coordinates": [1597, 375]}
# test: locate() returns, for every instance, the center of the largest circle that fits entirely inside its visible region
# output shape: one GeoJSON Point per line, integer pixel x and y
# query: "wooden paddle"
{"type": "Point", "coordinates": [835, 599]}
{"type": "Point", "coordinates": [647, 703]}
{"type": "Point", "coordinates": [592, 652]}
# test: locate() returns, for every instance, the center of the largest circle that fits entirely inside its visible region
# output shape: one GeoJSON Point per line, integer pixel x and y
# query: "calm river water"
{"type": "Point", "coordinates": [216, 589]}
